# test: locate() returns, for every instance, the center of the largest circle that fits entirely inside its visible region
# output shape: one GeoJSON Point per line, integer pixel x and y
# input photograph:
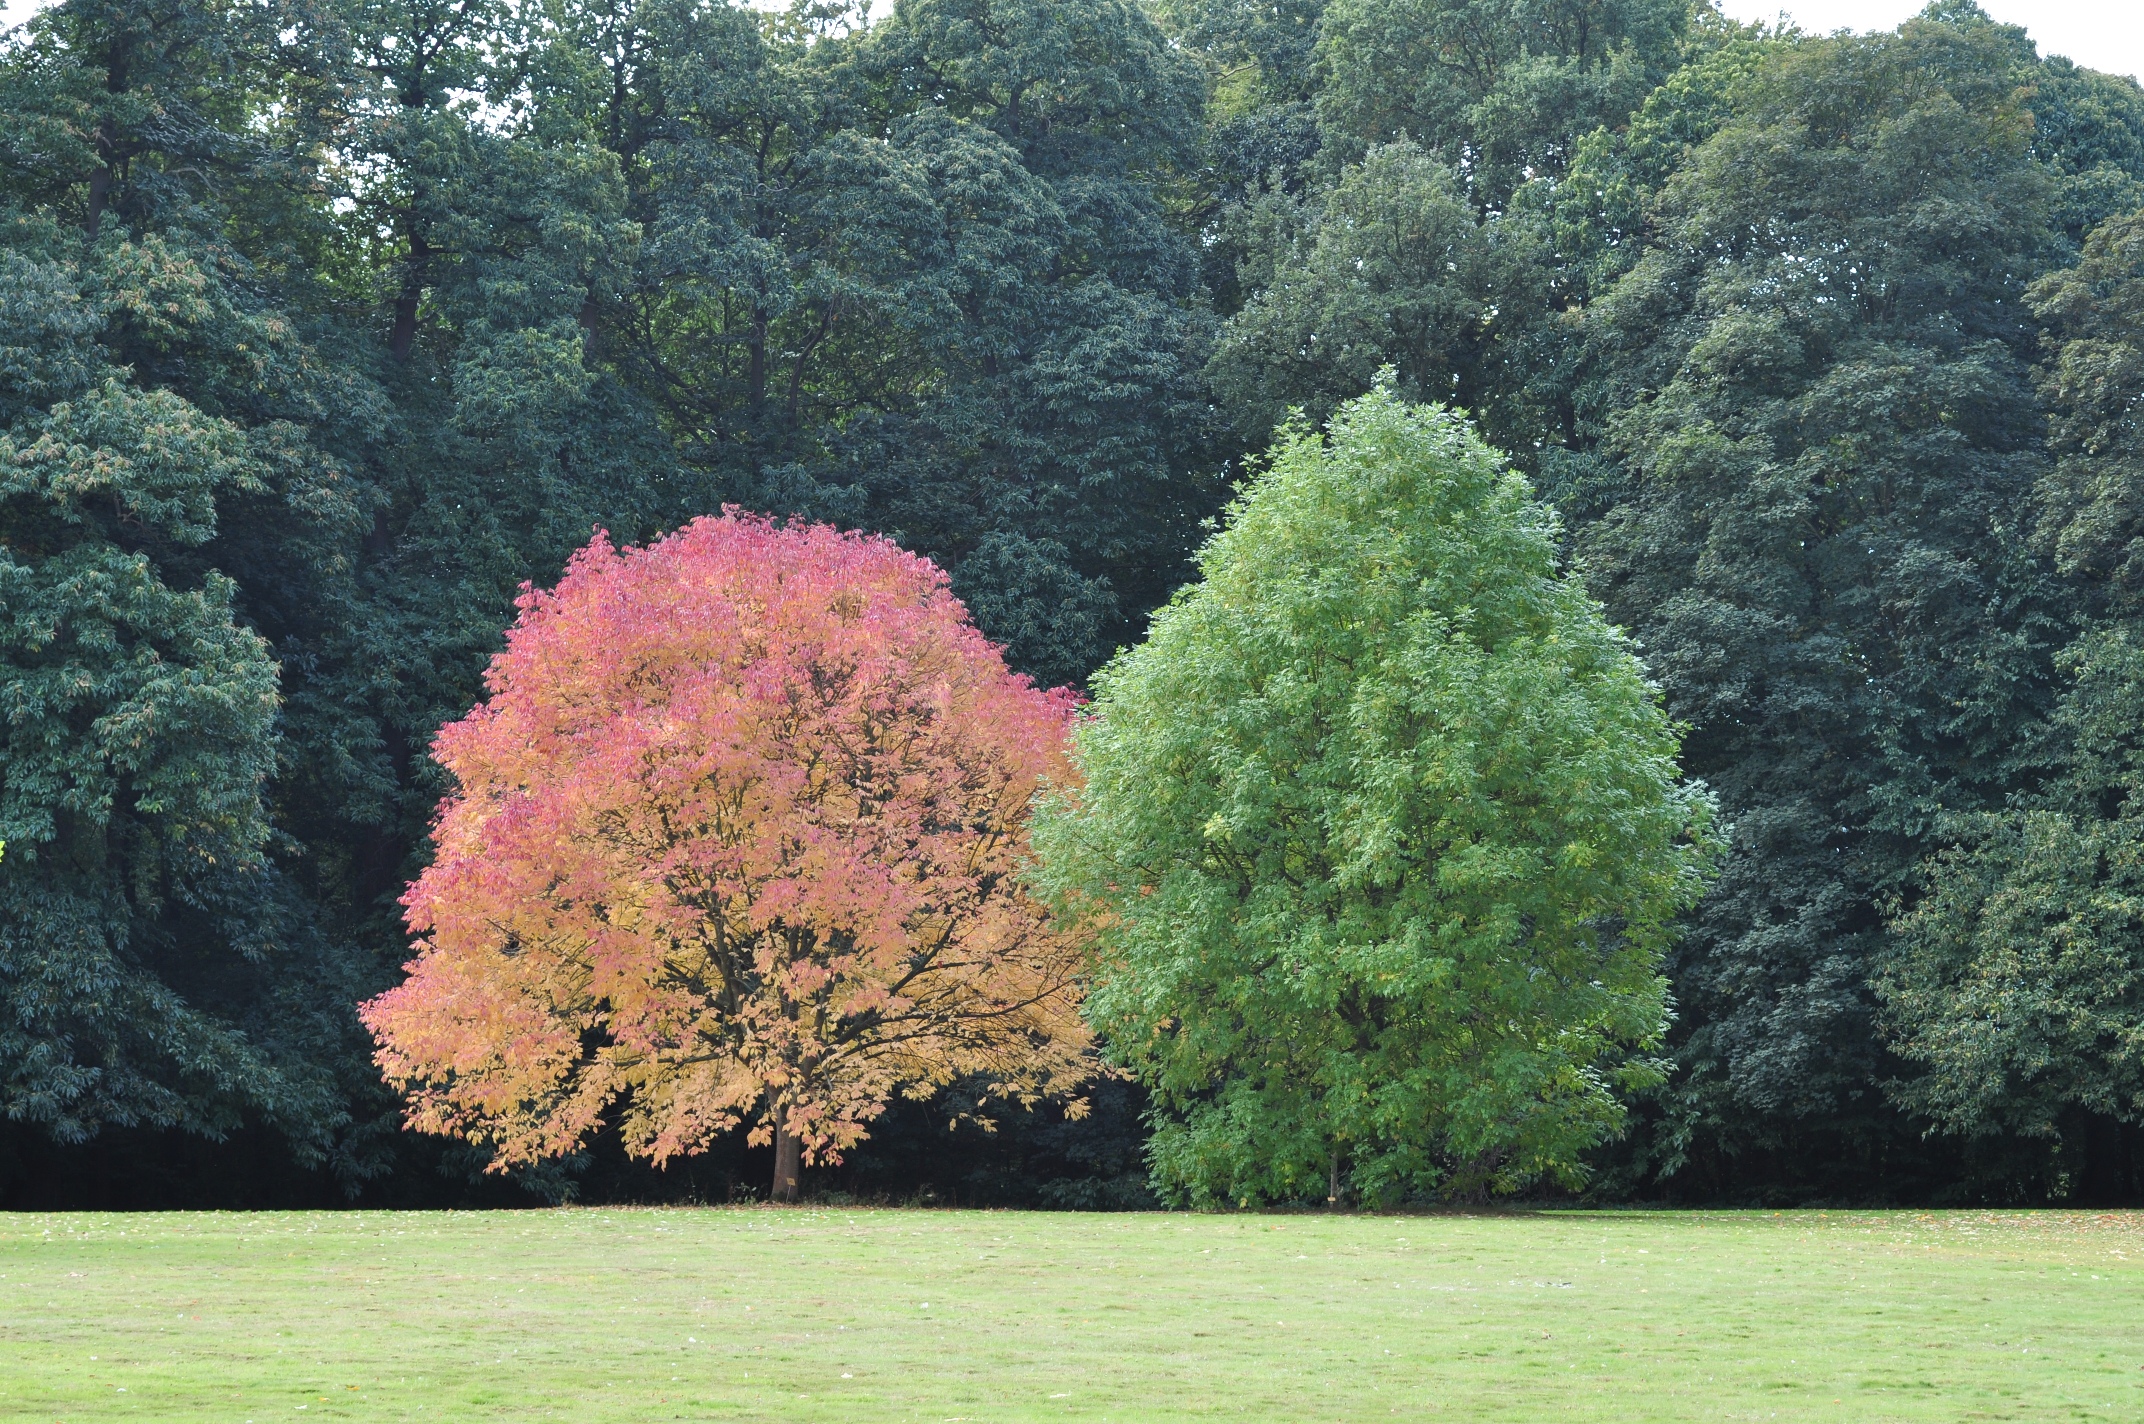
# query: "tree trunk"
{"type": "Point", "coordinates": [117, 80]}
{"type": "Point", "coordinates": [788, 1161]}
{"type": "Point", "coordinates": [1332, 1182]}
{"type": "Point", "coordinates": [402, 337]}
{"type": "Point", "coordinates": [755, 374]}
{"type": "Point", "coordinates": [591, 333]}
{"type": "Point", "coordinates": [100, 191]}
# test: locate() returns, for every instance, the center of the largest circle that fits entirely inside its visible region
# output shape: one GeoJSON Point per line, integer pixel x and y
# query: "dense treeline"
{"type": "Point", "coordinates": [330, 322]}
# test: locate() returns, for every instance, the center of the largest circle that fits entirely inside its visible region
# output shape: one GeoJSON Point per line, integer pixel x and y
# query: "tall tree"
{"type": "Point", "coordinates": [2088, 128]}
{"type": "Point", "coordinates": [2091, 503]}
{"type": "Point", "coordinates": [1260, 58]}
{"type": "Point", "coordinates": [1380, 835]}
{"type": "Point", "coordinates": [916, 278]}
{"type": "Point", "coordinates": [2016, 979]}
{"type": "Point", "coordinates": [1500, 89]}
{"type": "Point", "coordinates": [155, 967]}
{"type": "Point", "coordinates": [1056, 470]}
{"type": "Point", "coordinates": [1434, 237]}
{"type": "Point", "coordinates": [1390, 268]}
{"type": "Point", "coordinates": [1820, 426]}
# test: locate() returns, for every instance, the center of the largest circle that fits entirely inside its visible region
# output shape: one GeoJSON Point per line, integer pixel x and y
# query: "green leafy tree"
{"type": "Point", "coordinates": [1064, 437]}
{"type": "Point", "coordinates": [1600, 214]}
{"type": "Point", "coordinates": [1261, 131]}
{"type": "Point", "coordinates": [497, 247]}
{"type": "Point", "coordinates": [1381, 833]}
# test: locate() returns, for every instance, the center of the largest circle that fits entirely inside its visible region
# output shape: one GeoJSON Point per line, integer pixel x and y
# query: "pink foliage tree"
{"type": "Point", "coordinates": [737, 842]}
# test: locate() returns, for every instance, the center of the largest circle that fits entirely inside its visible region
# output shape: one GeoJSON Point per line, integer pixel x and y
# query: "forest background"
{"type": "Point", "coordinates": [325, 324]}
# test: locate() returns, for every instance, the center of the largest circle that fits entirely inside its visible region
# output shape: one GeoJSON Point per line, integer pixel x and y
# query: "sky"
{"type": "Point", "coordinates": [2099, 34]}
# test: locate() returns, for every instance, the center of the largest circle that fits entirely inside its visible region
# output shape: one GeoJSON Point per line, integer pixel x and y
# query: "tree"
{"type": "Point", "coordinates": [915, 279]}
{"type": "Point", "coordinates": [2088, 128]}
{"type": "Point", "coordinates": [1438, 241]}
{"type": "Point", "coordinates": [2015, 978]}
{"type": "Point", "coordinates": [1051, 454]}
{"type": "Point", "coordinates": [153, 969]}
{"type": "Point", "coordinates": [136, 728]}
{"type": "Point", "coordinates": [1380, 835]}
{"type": "Point", "coordinates": [1392, 269]}
{"type": "Point", "coordinates": [2091, 504]}
{"type": "Point", "coordinates": [737, 839]}
{"type": "Point", "coordinates": [1499, 89]}
{"type": "Point", "coordinates": [1260, 58]}
{"type": "Point", "coordinates": [1819, 440]}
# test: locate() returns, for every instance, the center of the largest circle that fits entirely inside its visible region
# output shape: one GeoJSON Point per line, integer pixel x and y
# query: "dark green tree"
{"type": "Point", "coordinates": [1820, 430]}
{"type": "Point", "coordinates": [1439, 246]}
{"type": "Point", "coordinates": [2015, 980]}
{"type": "Point", "coordinates": [915, 277]}
{"type": "Point", "coordinates": [156, 968]}
{"type": "Point", "coordinates": [2015, 983]}
{"type": "Point", "coordinates": [2091, 504]}
{"type": "Point", "coordinates": [1390, 268]}
{"type": "Point", "coordinates": [1500, 89]}
{"type": "Point", "coordinates": [2088, 128]}
{"type": "Point", "coordinates": [1261, 131]}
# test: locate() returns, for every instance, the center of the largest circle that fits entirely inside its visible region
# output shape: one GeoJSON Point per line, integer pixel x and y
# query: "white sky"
{"type": "Point", "coordinates": [2099, 34]}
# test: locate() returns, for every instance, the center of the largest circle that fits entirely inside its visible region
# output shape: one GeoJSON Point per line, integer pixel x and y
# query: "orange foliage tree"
{"type": "Point", "coordinates": [738, 841]}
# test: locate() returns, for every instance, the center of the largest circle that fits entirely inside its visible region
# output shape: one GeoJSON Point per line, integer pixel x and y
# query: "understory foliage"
{"type": "Point", "coordinates": [736, 841]}
{"type": "Point", "coordinates": [1381, 835]}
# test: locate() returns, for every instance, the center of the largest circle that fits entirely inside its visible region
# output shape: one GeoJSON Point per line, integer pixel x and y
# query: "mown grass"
{"type": "Point", "coordinates": [865, 1315]}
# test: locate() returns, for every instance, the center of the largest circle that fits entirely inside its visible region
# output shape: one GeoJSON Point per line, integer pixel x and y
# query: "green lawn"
{"type": "Point", "coordinates": [866, 1315]}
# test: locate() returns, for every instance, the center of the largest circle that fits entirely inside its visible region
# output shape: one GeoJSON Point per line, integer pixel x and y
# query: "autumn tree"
{"type": "Point", "coordinates": [1381, 835]}
{"type": "Point", "coordinates": [738, 842]}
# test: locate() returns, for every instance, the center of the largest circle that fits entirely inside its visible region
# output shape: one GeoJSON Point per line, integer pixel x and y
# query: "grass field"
{"type": "Point", "coordinates": [865, 1315]}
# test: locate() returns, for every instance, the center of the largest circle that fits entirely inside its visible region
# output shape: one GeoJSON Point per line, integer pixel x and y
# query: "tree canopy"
{"type": "Point", "coordinates": [331, 324]}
